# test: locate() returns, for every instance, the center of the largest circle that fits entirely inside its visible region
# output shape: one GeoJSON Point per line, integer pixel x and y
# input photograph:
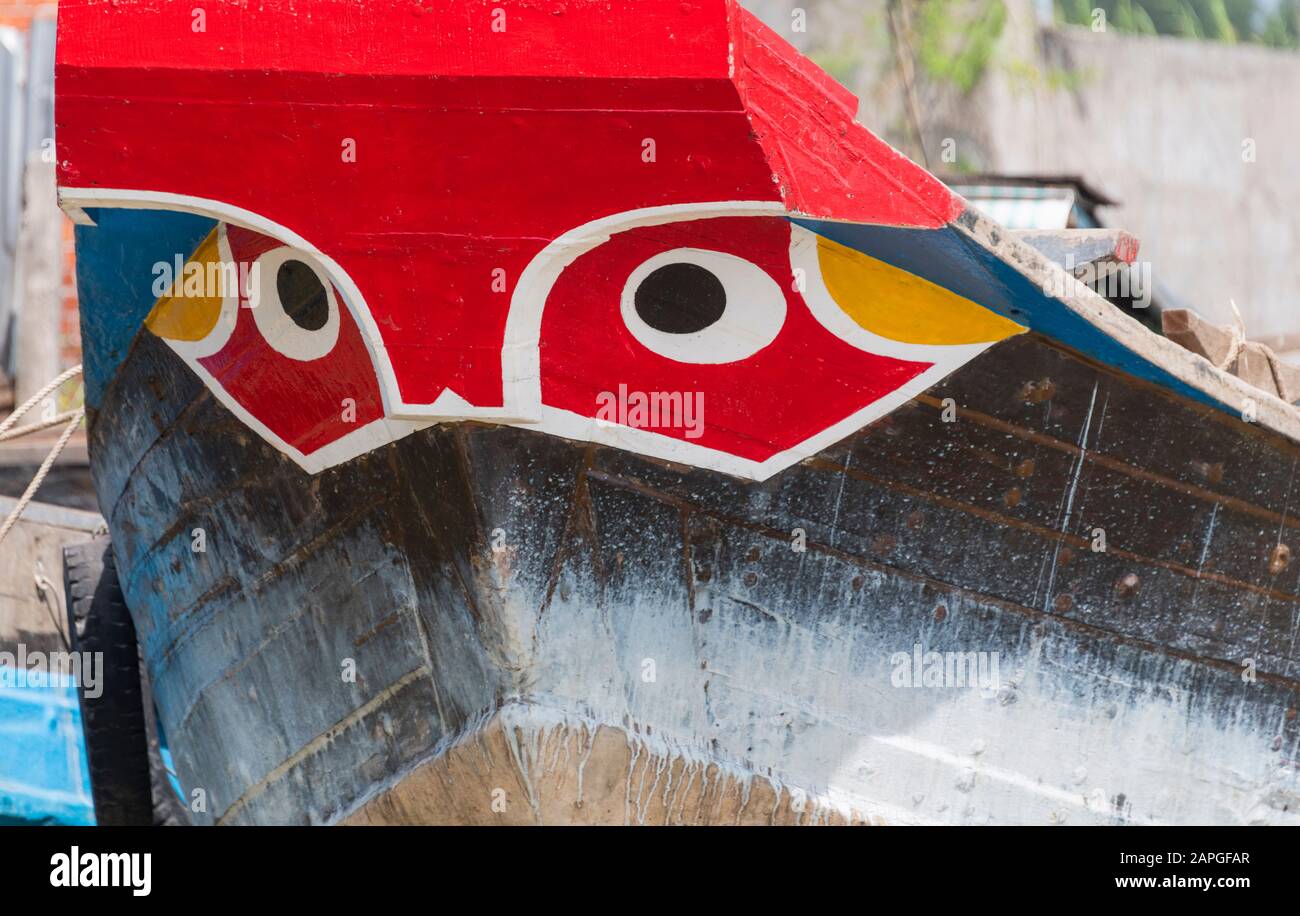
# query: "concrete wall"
{"type": "Point", "coordinates": [1162, 124]}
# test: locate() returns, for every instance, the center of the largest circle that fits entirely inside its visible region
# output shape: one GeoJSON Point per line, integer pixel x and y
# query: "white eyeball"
{"type": "Point", "coordinates": [296, 310]}
{"type": "Point", "coordinates": [698, 306]}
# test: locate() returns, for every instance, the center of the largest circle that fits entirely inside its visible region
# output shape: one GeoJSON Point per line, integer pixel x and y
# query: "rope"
{"type": "Point", "coordinates": [37, 426]}
{"type": "Point", "coordinates": [44, 469]}
{"type": "Point", "coordinates": [36, 398]}
{"type": "Point", "coordinates": [50, 593]}
{"type": "Point", "coordinates": [1238, 340]}
{"type": "Point", "coordinates": [1277, 376]}
{"type": "Point", "coordinates": [1234, 350]}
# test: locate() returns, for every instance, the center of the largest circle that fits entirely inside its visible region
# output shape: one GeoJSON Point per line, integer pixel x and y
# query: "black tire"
{"type": "Point", "coordinates": [127, 778]}
{"type": "Point", "coordinates": [168, 809]}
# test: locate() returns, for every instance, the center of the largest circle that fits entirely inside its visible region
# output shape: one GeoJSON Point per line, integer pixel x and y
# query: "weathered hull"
{"type": "Point", "coordinates": [504, 596]}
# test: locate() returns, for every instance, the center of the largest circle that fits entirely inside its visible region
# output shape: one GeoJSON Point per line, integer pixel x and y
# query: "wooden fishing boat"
{"type": "Point", "coordinates": [517, 412]}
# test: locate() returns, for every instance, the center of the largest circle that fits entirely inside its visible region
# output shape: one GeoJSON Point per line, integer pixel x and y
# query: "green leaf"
{"type": "Point", "coordinates": [955, 40]}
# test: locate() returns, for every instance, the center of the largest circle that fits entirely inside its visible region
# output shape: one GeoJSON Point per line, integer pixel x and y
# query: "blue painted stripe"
{"type": "Point", "coordinates": [956, 262]}
{"type": "Point", "coordinates": [115, 276]}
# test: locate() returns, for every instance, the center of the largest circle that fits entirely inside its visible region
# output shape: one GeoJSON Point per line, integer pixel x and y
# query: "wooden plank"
{"type": "Point", "coordinates": [1078, 249]}
{"type": "Point", "coordinates": [1033, 390]}
{"type": "Point", "coordinates": [1253, 366]}
{"type": "Point", "coordinates": [1192, 332]}
{"type": "Point", "coordinates": [1255, 362]}
{"type": "Point", "coordinates": [32, 451]}
{"type": "Point", "coordinates": [31, 573]}
{"type": "Point", "coordinates": [40, 513]}
{"type": "Point", "coordinates": [1260, 366]}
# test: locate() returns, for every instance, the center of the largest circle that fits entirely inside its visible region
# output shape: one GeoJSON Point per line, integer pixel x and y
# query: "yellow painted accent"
{"type": "Point", "coordinates": [176, 316]}
{"type": "Point", "coordinates": [893, 303]}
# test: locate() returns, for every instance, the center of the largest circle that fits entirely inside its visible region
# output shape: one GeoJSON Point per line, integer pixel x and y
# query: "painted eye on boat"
{"type": "Point", "coordinates": [297, 311]}
{"type": "Point", "coordinates": [697, 306]}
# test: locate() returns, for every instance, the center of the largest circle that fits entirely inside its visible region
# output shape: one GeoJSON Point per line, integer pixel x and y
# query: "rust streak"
{"type": "Point", "coordinates": [377, 629]}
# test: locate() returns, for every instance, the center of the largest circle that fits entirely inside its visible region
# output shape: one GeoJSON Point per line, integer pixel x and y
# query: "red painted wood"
{"type": "Point", "coordinates": [828, 165]}
{"type": "Point", "coordinates": [302, 402]}
{"type": "Point", "coordinates": [474, 148]}
{"type": "Point", "coordinates": [643, 39]}
{"type": "Point", "coordinates": [753, 408]}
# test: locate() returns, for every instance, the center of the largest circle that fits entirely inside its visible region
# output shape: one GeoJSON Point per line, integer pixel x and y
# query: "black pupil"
{"type": "Point", "coordinates": [680, 298]}
{"type": "Point", "coordinates": [302, 296]}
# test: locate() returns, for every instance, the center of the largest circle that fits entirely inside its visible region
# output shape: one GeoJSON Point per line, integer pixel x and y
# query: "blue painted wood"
{"type": "Point", "coordinates": [115, 260]}
{"type": "Point", "coordinates": [949, 259]}
{"type": "Point", "coordinates": [43, 774]}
